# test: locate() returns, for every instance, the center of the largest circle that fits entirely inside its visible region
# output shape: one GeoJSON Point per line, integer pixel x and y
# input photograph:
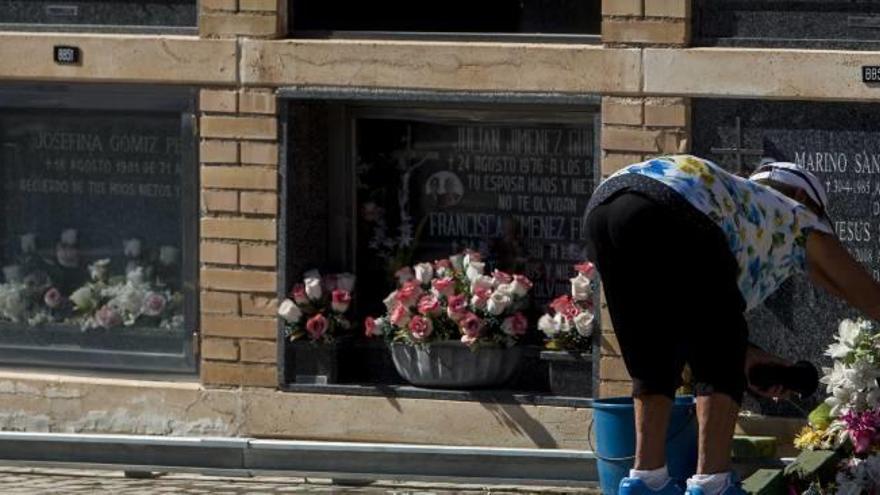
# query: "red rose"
{"type": "Point", "coordinates": [409, 293]}
{"type": "Point", "coordinates": [587, 269]}
{"type": "Point", "coordinates": [399, 316]}
{"type": "Point", "coordinates": [456, 306]}
{"type": "Point", "coordinates": [298, 294]}
{"type": "Point", "coordinates": [317, 326]}
{"type": "Point", "coordinates": [515, 325]}
{"type": "Point", "coordinates": [471, 325]}
{"type": "Point", "coordinates": [340, 301]}
{"type": "Point", "coordinates": [370, 326]}
{"type": "Point", "coordinates": [420, 327]}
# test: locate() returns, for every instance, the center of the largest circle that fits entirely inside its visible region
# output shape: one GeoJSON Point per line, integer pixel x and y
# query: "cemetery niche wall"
{"type": "Point", "coordinates": [97, 235]}
{"type": "Point", "coordinates": [99, 15]}
{"type": "Point", "coordinates": [836, 141]}
{"type": "Point", "coordinates": [451, 17]}
{"type": "Point", "coordinates": [375, 187]}
{"type": "Point", "coordinates": [827, 24]}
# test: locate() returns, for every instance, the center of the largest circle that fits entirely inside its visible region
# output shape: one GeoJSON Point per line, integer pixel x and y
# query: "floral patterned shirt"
{"type": "Point", "coordinates": [765, 230]}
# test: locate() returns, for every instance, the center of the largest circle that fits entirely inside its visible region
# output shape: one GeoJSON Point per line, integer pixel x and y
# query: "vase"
{"type": "Point", "coordinates": [451, 364]}
{"type": "Point", "coordinates": [312, 363]}
{"type": "Point", "coordinates": [570, 373]}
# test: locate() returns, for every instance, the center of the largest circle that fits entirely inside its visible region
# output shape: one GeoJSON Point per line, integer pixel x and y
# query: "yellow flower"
{"type": "Point", "coordinates": [809, 438]}
{"type": "Point", "coordinates": [692, 166]}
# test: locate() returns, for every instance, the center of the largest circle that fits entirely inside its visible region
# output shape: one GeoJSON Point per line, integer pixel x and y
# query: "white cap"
{"type": "Point", "coordinates": [796, 176]}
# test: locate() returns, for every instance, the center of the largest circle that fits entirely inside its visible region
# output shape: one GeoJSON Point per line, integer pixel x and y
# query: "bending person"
{"type": "Point", "coordinates": [684, 249]}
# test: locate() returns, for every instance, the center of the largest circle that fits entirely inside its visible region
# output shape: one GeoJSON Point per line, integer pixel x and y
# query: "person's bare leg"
{"type": "Point", "coordinates": [652, 417]}
{"type": "Point", "coordinates": [716, 415]}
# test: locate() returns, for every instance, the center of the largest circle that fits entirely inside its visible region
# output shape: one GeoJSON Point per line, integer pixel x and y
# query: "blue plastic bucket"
{"type": "Point", "coordinates": [615, 440]}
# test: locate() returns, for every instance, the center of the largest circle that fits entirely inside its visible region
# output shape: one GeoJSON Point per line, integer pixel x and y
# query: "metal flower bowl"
{"type": "Point", "coordinates": [451, 364]}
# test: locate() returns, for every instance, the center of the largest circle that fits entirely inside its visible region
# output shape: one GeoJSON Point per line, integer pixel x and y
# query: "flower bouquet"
{"type": "Point", "coordinates": [443, 308]}
{"type": "Point", "coordinates": [315, 319]}
{"type": "Point", "coordinates": [845, 428]}
{"type": "Point", "coordinates": [568, 330]}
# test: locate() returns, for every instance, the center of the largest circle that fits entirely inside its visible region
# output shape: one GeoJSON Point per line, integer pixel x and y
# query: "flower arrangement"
{"type": "Point", "coordinates": [569, 323]}
{"type": "Point", "coordinates": [454, 299]}
{"type": "Point", "coordinates": [39, 290]}
{"type": "Point", "coordinates": [316, 309]}
{"type": "Point", "coordinates": [848, 421]}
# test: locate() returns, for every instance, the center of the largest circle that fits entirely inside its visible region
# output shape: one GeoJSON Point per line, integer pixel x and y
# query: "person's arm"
{"type": "Point", "coordinates": [831, 267]}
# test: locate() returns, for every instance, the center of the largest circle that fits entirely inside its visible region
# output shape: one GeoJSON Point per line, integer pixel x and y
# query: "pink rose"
{"type": "Point", "coordinates": [444, 286]}
{"type": "Point", "coordinates": [52, 298]}
{"type": "Point", "coordinates": [587, 269]}
{"type": "Point", "coordinates": [370, 326]}
{"type": "Point", "coordinates": [341, 300]}
{"type": "Point", "coordinates": [481, 297]}
{"type": "Point", "coordinates": [442, 265]}
{"type": "Point", "coordinates": [298, 293]}
{"type": "Point", "coordinates": [429, 306]}
{"type": "Point", "coordinates": [515, 325]}
{"type": "Point", "coordinates": [560, 303]}
{"type": "Point", "coordinates": [107, 317]}
{"type": "Point", "coordinates": [521, 285]}
{"type": "Point", "coordinates": [409, 293]}
{"type": "Point", "coordinates": [154, 304]}
{"type": "Point", "coordinates": [399, 316]}
{"type": "Point", "coordinates": [317, 326]}
{"type": "Point", "coordinates": [471, 325]}
{"type": "Point", "coordinates": [501, 277]}
{"type": "Point", "coordinates": [420, 327]}
{"type": "Point", "coordinates": [456, 306]}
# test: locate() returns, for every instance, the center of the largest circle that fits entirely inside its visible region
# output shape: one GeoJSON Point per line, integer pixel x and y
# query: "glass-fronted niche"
{"type": "Point", "coordinates": [373, 188]}
{"type": "Point", "coordinates": [97, 228]}
{"type": "Point", "coordinates": [100, 15]}
{"type": "Point", "coordinates": [450, 18]}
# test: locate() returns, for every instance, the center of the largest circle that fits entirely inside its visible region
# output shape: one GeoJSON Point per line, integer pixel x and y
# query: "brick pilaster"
{"type": "Point", "coordinates": [239, 209]}
{"type": "Point", "coordinates": [250, 18]}
{"type": "Point", "coordinates": [634, 129]}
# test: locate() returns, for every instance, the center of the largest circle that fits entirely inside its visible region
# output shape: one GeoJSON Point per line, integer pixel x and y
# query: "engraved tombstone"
{"type": "Point", "coordinates": [836, 141]}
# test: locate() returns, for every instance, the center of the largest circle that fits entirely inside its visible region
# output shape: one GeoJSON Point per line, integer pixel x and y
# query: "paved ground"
{"type": "Point", "coordinates": [31, 481]}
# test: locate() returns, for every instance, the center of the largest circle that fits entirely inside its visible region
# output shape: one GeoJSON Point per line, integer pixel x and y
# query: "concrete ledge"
{"type": "Point", "coordinates": [119, 58]}
{"type": "Point", "coordinates": [50, 402]}
{"type": "Point", "coordinates": [759, 73]}
{"type": "Point", "coordinates": [472, 66]}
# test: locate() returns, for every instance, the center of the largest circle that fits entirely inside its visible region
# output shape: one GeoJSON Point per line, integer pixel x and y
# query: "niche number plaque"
{"type": "Point", "coordinates": [871, 73]}
{"type": "Point", "coordinates": [66, 55]}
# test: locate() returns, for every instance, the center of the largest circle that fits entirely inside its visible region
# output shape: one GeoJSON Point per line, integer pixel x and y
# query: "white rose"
{"type": "Point", "coordinates": [390, 301]}
{"type": "Point", "coordinates": [580, 288]}
{"type": "Point", "coordinates": [583, 323]}
{"type": "Point", "coordinates": [381, 323]}
{"type": "Point", "coordinates": [168, 255]}
{"type": "Point", "coordinates": [28, 243]}
{"type": "Point", "coordinates": [312, 274]}
{"type": "Point", "coordinates": [548, 325]}
{"type": "Point", "coordinates": [507, 289]}
{"type": "Point", "coordinates": [289, 311]}
{"type": "Point", "coordinates": [83, 298]}
{"type": "Point", "coordinates": [481, 282]}
{"type": "Point", "coordinates": [68, 236]}
{"type": "Point", "coordinates": [498, 303]}
{"type": "Point", "coordinates": [519, 288]}
{"type": "Point", "coordinates": [345, 281]}
{"type": "Point", "coordinates": [100, 269]}
{"type": "Point", "coordinates": [457, 262]}
{"type": "Point", "coordinates": [424, 273]}
{"type": "Point", "coordinates": [135, 276]}
{"type": "Point", "coordinates": [475, 270]}
{"type": "Point", "coordinates": [313, 288]}
{"type": "Point", "coordinates": [12, 274]}
{"type": "Point", "coordinates": [132, 248]}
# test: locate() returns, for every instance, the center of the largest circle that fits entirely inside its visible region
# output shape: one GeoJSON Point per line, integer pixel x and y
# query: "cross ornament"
{"type": "Point", "coordinates": [737, 150]}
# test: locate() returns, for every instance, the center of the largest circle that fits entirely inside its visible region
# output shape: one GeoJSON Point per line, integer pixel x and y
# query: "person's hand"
{"type": "Point", "coordinates": [757, 356]}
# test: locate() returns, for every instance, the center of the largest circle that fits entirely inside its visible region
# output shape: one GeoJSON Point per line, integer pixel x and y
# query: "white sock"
{"type": "Point", "coordinates": [654, 478]}
{"type": "Point", "coordinates": [712, 484]}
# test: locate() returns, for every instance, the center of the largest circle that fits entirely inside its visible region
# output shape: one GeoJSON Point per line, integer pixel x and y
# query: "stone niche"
{"type": "Point", "coordinates": [99, 225]}
{"type": "Point", "coordinates": [372, 180]}
{"type": "Point", "coordinates": [828, 24]}
{"type": "Point", "coordinates": [451, 17]}
{"type": "Point", "coordinates": [99, 15]}
{"type": "Point", "coordinates": [839, 143]}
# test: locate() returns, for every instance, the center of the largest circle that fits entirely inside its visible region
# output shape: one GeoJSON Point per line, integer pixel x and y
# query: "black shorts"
{"type": "Point", "coordinates": [672, 295]}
